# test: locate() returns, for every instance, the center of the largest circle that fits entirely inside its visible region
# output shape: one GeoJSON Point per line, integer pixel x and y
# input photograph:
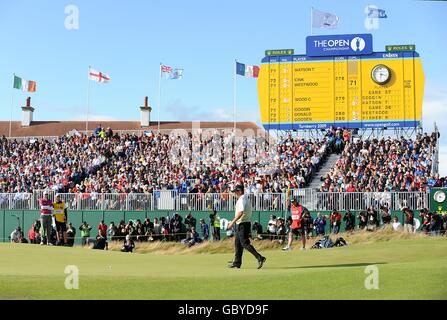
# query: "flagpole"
{"type": "Point", "coordinates": [159, 97]}
{"type": "Point", "coordinates": [12, 108]}
{"type": "Point", "coordinates": [234, 95]}
{"type": "Point", "coordinates": [88, 100]}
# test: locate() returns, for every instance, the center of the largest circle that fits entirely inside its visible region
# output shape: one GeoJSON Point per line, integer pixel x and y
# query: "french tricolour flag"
{"type": "Point", "coordinates": [246, 70]}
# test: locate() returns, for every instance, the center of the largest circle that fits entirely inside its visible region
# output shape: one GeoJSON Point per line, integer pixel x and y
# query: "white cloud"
{"type": "Point", "coordinates": [443, 160]}
{"type": "Point", "coordinates": [178, 111]}
{"type": "Point", "coordinates": [435, 110]}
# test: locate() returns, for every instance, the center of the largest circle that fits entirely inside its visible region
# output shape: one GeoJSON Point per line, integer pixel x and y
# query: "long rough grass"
{"type": "Point", "coordinates": [227, 246]}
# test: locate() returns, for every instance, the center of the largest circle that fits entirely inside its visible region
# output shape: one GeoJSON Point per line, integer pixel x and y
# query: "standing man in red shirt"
{"type": "Point", "coordinates": [296, 228]}
{"type": "Point", "coordinates": [46, 217]}
{"type": "Point", "coordinates": [102, 230]}
{"type": "Point", "coordinates": [102, 235]}
{"type": "Point", "coordinates": [335, 221]}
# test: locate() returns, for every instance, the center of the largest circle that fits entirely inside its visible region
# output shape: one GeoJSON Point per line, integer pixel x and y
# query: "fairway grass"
{"type": "Point", "coordinates": [408, 269]}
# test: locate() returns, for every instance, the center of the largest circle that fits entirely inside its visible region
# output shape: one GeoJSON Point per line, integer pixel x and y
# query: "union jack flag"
{"type": "Point", "coordinates": [166, 69]}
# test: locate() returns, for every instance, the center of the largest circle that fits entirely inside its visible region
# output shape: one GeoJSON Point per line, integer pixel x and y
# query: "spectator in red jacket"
{"type": "Point", "coordinates": [32, 235]}
{"type": "Point", "coordinates": [102, 230]}
{"type": "Point", "coordinates": [335, 221]}
{"type": "Point", "coordinates": [351, 188]}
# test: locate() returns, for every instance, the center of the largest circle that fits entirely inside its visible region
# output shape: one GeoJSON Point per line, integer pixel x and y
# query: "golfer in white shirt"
{"type": "Point", "coordinates": [242, 220]}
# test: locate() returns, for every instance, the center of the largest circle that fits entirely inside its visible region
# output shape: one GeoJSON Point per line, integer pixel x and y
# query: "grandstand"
{"type": "Point", "coordinates": [147, 163]}
{"type": "Point", "coordinates": [138, 170]}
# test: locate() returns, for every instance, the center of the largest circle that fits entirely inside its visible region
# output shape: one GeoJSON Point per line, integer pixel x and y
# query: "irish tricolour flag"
{"type": "Point", "coordinates": [24, 85]}
{"type": "Point", "coordinates": [247, 70]}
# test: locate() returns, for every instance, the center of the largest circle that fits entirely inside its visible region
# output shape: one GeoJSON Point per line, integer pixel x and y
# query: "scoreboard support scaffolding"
{"type": "Point", "coordinates": [307, 134]}
{"type": "Point", "coordinates": [407, 133]}
{"type": "Point", "coordinates": [373, 133]}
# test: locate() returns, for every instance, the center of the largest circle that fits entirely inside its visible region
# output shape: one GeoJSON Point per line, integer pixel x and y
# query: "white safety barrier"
{"type": "Point", "coordinates": [173, 200]}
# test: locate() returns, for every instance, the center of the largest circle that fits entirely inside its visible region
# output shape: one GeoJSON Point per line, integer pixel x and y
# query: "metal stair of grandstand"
{"type": "Point", "coordinates": [327, 166]}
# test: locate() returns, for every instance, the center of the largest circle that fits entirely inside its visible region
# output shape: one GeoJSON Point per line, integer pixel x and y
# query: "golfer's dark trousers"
{"type": "Point", "coordinates": [242, 241]}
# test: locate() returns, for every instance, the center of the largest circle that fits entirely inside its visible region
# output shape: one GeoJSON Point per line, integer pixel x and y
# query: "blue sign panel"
{"type": "Point", "coordinates": [339, 45]}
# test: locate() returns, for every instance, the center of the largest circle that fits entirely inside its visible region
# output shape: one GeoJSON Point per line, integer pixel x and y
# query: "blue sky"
{"type": "Point", "coordinates": [128, 40]}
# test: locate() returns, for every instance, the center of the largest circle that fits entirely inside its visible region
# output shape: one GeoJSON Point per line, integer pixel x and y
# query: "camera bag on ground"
{"type": "Point", "coordinates": [340, 242]}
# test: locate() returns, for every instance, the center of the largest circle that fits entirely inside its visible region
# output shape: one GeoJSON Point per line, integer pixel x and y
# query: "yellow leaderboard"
{"type": "Point", "coordinates": [380, 90]}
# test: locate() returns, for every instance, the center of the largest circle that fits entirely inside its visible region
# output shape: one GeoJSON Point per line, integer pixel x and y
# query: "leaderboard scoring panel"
{"type": "Point", "coordinates": [373, 91]}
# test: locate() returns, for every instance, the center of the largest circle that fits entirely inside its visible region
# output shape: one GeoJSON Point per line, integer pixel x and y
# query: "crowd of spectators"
{"type": "Point", "coordinates": [385, 165]}
{"type": "Point", "coordinates": [106, 162]}
{"type": "Point", "coordinates": [59, 165]}
{"type": "Point", "coordinates": [165, 228]}
{"type": "Point", "coordinates": [213, 162]}
{"type": "Point", "coordinates": [433, 223]}
{"type": "Point", "coordinates": [368, 220]}
{"type": "Point", "coordinates": [189, 231]}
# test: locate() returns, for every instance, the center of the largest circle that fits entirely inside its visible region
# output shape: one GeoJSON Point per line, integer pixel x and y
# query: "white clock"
{"type": "Point", "coordinates": [439, 196]}
{"type": "Point", "coordinates": [381, 74]}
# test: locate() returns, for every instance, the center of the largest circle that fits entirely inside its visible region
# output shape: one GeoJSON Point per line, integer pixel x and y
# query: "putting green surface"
{"type": "Point", "coordinates": [408, 269]}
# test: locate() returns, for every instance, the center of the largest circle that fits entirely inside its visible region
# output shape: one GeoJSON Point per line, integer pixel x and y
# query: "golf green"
{"type": "Point", "coordinates": [407, 269]}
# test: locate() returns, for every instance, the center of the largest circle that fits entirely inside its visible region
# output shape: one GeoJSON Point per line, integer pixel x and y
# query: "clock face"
{"type": "Point", "coordinates": [381, 74]}
{"type": "Point", "coordinates": [440, 196]}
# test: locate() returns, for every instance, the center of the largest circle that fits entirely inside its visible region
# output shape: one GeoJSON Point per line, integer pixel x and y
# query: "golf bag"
{"type": "Point", "coordinates": [340, 242]}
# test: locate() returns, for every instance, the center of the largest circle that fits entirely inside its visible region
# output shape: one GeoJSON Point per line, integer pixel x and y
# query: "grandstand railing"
{"type": "Point", "coordinates": [172, 200]}
{"type": "Point", "coordinates": [359, 201]}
